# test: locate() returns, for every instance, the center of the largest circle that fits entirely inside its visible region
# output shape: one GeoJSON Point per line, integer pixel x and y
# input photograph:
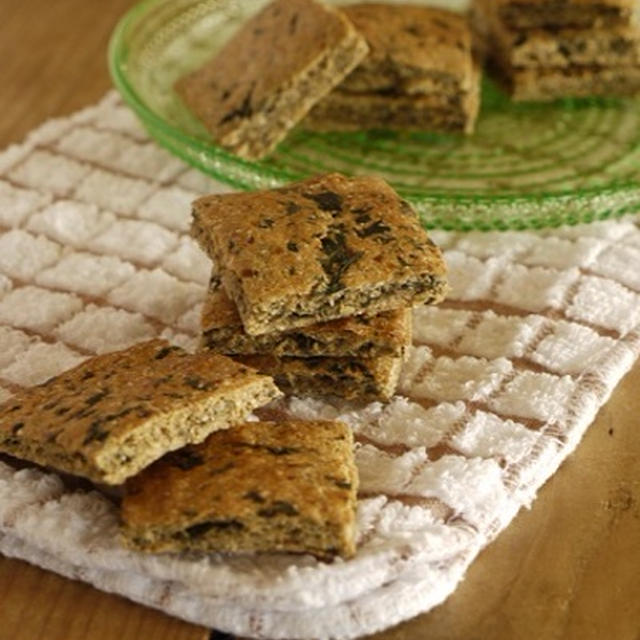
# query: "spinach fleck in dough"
{"type": "Point", "coordinates": [317, 250]}
{"type": "Point", "coordinates": [114, 414]}
{"type": "Point", "coordinates": [388, 333]}
{"type": "Point", "coordinates": [262, 486]}
{"type": "Point", "coordinates": [268, 76]}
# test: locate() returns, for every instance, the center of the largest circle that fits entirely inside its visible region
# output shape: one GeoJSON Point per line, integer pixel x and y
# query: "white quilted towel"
{"type": "Point", "coordinates": [499, 387]}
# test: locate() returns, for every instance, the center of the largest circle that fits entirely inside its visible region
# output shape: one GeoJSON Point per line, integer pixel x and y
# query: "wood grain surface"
{"type": "Point", "coordinates": [568, 569]}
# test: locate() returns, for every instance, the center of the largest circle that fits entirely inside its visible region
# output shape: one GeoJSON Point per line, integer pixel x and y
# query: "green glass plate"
{"type": "Point", "coordinates": [527, 165]}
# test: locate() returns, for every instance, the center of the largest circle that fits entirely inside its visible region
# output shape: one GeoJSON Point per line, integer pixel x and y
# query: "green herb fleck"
{"type": "Point", "coordinates": [196, 530]}
{"type": "Point", "coordinates": [375, 228]}
{"type": "Point", "coordinates": [164, 352]}
{"type": "Point", "coordinates": [326, 200]}
{"type": "Point", "coordinates": [339, 257]}
{"type": "Point", "coordinates": [245, 110]}
{"type": "Point", "coordinates": [95, 433]}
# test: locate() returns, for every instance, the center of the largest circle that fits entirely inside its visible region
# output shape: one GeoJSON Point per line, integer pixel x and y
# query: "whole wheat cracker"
{"type": "Point", "coordinates": [262, 486]}
{"type": "Point", "coordinates": [388, 333]}
{"type": "Point", "coordinates": [558, 47]}
{"type": "Point", "coordinates": [324, 248]}
{"type": "Point", "coordinates": [413, 49]}
{"type": "Point", "coordinates": [350, 378]}
{"type": "Point", "coordinates": [346, 111]}
{"type": "Point", "coordinates": [112, 415]}
{"type": "Point", "coordinates": [249, 97]}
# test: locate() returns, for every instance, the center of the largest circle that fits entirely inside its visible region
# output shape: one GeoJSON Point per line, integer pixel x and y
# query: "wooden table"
{"type": "Point", "coordinates": [568, 569]}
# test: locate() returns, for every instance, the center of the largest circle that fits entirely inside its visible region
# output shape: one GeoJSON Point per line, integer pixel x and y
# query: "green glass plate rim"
{"type": "Point", "coordinates": [162, 132]}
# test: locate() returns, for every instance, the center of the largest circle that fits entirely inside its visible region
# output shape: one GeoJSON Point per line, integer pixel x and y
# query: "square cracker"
{"type": "Point", "coordinates": [350, 378]}
{"type": "Point", "coordinates": [531, 14]}
{"type": "Point", "coordinates": [271, 72]}
{"type": "Point", "coordinates": [565, 47]}
{"type": "Point", "coordinates": [347, 111]}
{"type": "Point", "coordinates": [325, 248]}
{"type": "Point", "coordinates": [114, 414]}
{"type": "Point", "coordinates": [388, 333]}
{"type": "Point", "coordinates": [412, 49]}
{"type": "Point", "coordinates": [546, 84]}
{"type": "Point", "coordinates": [261, 486]}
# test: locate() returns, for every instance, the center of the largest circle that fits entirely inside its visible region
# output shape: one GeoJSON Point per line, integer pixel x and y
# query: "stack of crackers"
{"type": "Point", "coordinates": [419, 73]}
{"type": "Point", "coordinates": [399, 66]}
{"type": "Point", "coordinates": [545, 49]}
{"type": "Point", "coordinates": [313, 283]}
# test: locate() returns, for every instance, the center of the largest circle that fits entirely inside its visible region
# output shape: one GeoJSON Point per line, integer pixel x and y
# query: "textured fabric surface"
{"type": "Point", "coordinates": [499, 386]}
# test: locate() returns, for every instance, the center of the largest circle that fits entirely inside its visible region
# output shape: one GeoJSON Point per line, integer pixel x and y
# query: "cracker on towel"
{"type": "Point", "coordinates": [388, 333]}
{"type": "Point", "coordinates": [114, 414]}
{"type": "Point", "coordinates": [324, 248]}
{"type": "Point", "coordinates": [266, 78]}
{"type": "Point", "coordinates": [262, 486]}
{"type": "Point", "coordinates": [350, 378]}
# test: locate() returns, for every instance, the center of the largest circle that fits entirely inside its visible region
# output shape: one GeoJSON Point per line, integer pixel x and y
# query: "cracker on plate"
{"type": "Point", "coordinates": [413, 49]}
{"type": "Point", "coordinates": [271, 72]}
{"type": "Point", "coordinates": [346, 111]}
{"type": "Point", "coordinates": [528, 14]}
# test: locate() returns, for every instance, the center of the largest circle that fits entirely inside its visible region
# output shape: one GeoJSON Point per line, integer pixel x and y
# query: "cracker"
{"type": "Point", "coordinates": [259, 487]}
{"type": "Point", "coordinates": [412, 49]}
{"type": "Point", "coordinates": [317, 250]}
{"type": "Point", "coordinates": [249, 97]}
{"type": "Point", "coordinates": [345, 111]}
{"type": "Point", "coordinates": [531, 14]}
{"type": "Point", "coordinates": [548, 84]}
{"type": "Point", "coordinates": [388, 333]}
{"type": "Point", "coordinates": [114, 414]}
{"type": "Point", "coordinates": [613, 46]}
{"type": "Point", "coordinates": [350, 378]}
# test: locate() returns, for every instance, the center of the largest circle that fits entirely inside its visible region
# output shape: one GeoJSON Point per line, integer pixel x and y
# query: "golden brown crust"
{"type": "Point", "coordinates": [113, 414]}
{"type": "Point", "coordinates": [248, 97]}
{"type": "Point", "coordinates": [412, 49]}
{"type": "Point", "coordinates": [388, 333]}
{"type": "Point", "coordinates": [261, 486]}
{"type": "Point", "coordinates": [324, 248]}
